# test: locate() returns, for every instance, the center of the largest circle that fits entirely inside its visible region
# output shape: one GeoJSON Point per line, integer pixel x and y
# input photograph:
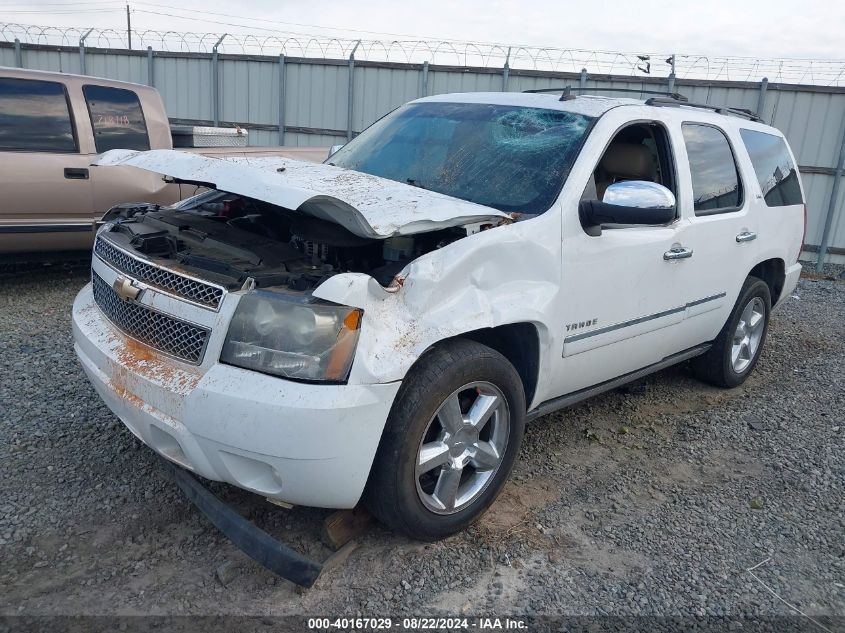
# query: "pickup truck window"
{"type": "Point", "coordinates": [117, 118]}
{"type": "Point", "coordinates": [774, 168]}
{"type": "Point", "coordinates": [715, 177]}
{"type": "Point", "coordinates": [507, 157]}
{"type": "Point", "coordinates": [34, 117]}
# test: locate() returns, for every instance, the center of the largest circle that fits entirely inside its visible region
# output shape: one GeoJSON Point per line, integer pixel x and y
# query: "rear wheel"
{"type": "Point", "coordinates": [737, 349]}
{"type": "Point", "coordinates": [450, 441]}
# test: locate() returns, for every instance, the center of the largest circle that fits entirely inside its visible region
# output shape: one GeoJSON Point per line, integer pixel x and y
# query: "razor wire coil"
{"type": "Point", "coordinates": [444, 52]}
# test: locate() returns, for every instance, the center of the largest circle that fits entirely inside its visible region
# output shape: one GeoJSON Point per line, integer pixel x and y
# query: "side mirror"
{"type": "Point", "coordinates": [333, 149]}
{"type": "Point", "coordinates": [630, 202]}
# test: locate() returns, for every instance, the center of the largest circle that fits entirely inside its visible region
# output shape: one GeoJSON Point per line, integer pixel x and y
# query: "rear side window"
{"type": "Point", "coordinates": [34, 117]}
{"type": "Point", "coordinates": [715, 178]}
{"type": "Point", "coordinates": [774, 168]}
{"type": "Point", "coordinates": [117, 118]}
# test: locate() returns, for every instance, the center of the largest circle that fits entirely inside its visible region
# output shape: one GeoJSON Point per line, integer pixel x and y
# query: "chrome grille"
{"type": "Point", "coordinates": [172, 336]}
{"type": "Point", "coordinates": [167, 281]}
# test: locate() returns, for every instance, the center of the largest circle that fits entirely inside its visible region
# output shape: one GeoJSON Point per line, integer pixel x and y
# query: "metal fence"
{"type": "Point", "coordinates": [272, 38]}
{"type": "Point", "coordinates": [319, 102]}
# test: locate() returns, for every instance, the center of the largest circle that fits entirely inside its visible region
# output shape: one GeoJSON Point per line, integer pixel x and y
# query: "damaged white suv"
{"type": "Point", "coordinates": [380, 327]}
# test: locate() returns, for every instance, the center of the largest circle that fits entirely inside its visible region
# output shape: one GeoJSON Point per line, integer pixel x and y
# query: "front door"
{"type": "Point", "coordinates": [625, 289]}
{"type": "Point", "coordinates": [45, 180]}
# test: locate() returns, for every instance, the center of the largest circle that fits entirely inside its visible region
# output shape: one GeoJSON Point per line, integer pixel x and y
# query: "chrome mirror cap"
{"type": "Point", "coordinates": [333, 149]}
{"type": "Point", "coordinates": [640, 194]}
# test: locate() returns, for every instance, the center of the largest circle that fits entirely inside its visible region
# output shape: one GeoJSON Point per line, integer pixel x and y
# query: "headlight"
{"type": "Point", "coordinates": [293, 339]}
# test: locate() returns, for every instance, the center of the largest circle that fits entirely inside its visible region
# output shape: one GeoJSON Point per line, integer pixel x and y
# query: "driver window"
{"type": "Point", "coordinates": [637, 152]}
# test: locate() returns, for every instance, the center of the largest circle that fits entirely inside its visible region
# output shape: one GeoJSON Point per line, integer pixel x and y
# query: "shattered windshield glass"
{"type": "Point", "coordinates": [510, 158]}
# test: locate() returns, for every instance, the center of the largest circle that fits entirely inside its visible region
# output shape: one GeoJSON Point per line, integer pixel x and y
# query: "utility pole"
{"type": "Point", "coordinates": [128, 27]}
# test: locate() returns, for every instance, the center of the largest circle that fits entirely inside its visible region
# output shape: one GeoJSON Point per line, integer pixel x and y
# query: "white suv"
{"type": "Point", "coordinates": [383, 325]}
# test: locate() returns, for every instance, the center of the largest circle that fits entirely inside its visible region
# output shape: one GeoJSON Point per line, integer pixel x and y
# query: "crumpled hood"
{"type": "Point", "coordinates": [366, 205]}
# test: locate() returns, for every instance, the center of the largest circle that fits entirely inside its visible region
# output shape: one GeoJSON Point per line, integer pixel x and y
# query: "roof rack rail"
{"type": "Point", "coordinates": [740, 112]}
{"type": "Point", "coordinates": [567, 92]}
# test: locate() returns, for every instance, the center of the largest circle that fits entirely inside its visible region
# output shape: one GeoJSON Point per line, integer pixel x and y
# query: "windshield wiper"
{"type": "Point", "coordinates": [414, 183]}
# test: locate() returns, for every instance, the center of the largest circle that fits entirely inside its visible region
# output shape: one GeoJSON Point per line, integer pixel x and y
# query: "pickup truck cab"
{"type": "Point", "coordinates": [52, 126]}
{"type": "Point", "coordinates": [383, 325]}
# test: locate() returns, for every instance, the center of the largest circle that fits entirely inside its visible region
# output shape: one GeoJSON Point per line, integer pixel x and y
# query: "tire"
{"type": "Point", "coordinates": [720, 366]}
{"type": "Point", "coordinates": [459, 373]}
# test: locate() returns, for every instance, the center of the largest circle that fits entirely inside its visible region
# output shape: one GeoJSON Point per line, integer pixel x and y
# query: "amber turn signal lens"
{"type": "Point", "coordinates": [353, 320]}
{"type": "Point", "coordinates": [340, 358]}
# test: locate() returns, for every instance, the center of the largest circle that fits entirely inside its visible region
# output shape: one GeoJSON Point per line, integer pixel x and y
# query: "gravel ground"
{"type": "Point", "coordinates": [653, 499]}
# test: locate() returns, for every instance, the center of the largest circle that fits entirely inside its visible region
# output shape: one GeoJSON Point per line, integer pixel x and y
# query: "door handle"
{"type": "Point", "coordinates": [677, 252]}
{"type": "Point", "coordinates": [746, 236]}
{"type": "Point", "coordinates": [76, 173]}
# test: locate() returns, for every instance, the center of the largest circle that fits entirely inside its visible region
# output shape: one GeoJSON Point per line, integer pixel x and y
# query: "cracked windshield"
{"type": "Point", "coordinates": [514, 159]}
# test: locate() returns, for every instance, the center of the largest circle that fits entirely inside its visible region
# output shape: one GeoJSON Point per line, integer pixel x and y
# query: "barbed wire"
{"type": "Point", "coordinates": [447, 52]}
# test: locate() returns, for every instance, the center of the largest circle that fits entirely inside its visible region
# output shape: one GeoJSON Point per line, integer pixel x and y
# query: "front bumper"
{"type": "Point", "coordinates": [253, 541]}
{"type": "Point", "coordinates": [303, 444]}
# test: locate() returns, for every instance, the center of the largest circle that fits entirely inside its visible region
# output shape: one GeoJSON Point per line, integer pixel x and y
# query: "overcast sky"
{"type": "Point", "coordinates": [756, 28]}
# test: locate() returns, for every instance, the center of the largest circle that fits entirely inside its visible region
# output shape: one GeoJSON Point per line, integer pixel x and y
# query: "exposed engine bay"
{"type": "Point", "coordinates": [231, 239]}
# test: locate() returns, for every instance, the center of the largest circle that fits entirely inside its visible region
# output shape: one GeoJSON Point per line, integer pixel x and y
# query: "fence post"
{"type": "Point", "coordinates": [215, 83]}
{"type": "Point", "coordinates": [425, 79]}
{"type": "Point", "coordinates": [18, 55]}
{"type": "Point", "coordinates": [351, 92]}
{"type": "Point", "coordinates": [506, 71]}
{"type": "Point", "coordinates": [282, 99]}
{"type": "Point", "coordinates": [82, 51]}
{"type": "Point", "coordinates": [761, 98]}
{"type": "Point", "coordinates": [150, 71]}
{"type": "Point", "coordinates": [582, 81]}
{"type": "Point", "coordinates": [670, 88]}
{"type": "Point", "coordinates": [831, 206]}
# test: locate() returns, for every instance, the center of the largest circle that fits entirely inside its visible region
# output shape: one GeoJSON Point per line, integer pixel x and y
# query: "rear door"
{"type": "Point", "coordinates": [44, 177]}
{"type": "Point", "coordinates": [721, 209]}
{"type": "Point", "coordinates": [119, 121]}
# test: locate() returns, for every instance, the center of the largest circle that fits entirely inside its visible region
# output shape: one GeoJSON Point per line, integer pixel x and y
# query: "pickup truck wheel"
{"type": "Point", "coordinates": [737, 348]}
{"type": "Point", "coordinates": [450, 442]}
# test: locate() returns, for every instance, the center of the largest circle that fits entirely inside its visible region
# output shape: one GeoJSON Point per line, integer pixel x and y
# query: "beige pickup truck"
{"type": "Point", "coordinates": [52, 126]}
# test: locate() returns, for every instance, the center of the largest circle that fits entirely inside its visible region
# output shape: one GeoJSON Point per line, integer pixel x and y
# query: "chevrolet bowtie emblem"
{"type": "Point", "coordinates": [125, 290]}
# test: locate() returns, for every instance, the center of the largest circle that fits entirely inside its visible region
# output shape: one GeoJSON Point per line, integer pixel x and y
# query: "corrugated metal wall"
{"type": "Point", "coordinates": [315, 106]}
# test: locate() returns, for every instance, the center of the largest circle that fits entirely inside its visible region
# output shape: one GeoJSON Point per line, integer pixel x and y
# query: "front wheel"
{"type": "Point", "coordinates": [737, 349]}
{"type": "Point", "coordinates": [450, 441]}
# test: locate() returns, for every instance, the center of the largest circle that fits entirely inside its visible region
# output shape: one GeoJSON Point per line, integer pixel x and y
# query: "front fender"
{"type": "Point", "coordinates": [509, 274]}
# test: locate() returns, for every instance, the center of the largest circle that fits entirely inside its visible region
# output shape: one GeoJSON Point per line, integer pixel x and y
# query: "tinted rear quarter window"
{"type": "Point", "coordinates": [715, 178]}
{"type": "Point", "coordinates": [773, 167]}
{"type": "Point", "coordinates": [117, 118]}
{"type": "Point", "coordinates": [34, 117]}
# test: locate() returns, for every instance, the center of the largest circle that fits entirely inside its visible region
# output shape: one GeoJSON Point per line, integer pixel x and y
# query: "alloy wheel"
{"type": "Point", "coordinates": [748, 334]}
{"type": "Point", "coordinates": [462, 447]}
